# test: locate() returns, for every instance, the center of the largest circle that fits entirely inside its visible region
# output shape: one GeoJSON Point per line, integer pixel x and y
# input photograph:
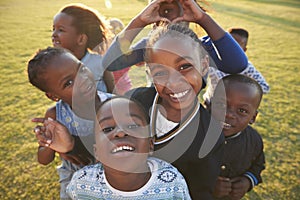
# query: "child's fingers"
{"type": "Point", "coordinates": [223, 178]}
{"type": "Point", "coordinates": [38, 119]}
{"type": "Point", "coordinates": [41, 137]}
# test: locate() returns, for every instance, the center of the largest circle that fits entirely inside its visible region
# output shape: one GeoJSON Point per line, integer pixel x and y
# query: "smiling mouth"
{"type": "Point", "coordinates": [179, 94]}
{"type": "Point", "coordinates": [123, 148]}
{"type": "Point", "coordinates": [55, 42]}
{"type": "Point", "coordinates": [226, 125]}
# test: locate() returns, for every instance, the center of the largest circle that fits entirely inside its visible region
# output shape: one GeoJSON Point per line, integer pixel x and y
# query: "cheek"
{"type": "Point", "coordinates": [195, 80]}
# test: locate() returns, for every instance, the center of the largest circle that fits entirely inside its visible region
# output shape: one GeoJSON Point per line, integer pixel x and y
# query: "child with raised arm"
{"type": "Point", "coordinates": [121, 77]}
{"type": "Point", "coordinates": [125, 170]}
{"type": "Point", "coordinates": [80, 29]}
{"type": "Point", "coordinates": [214, 75]}
{"type": "Point", "coordinates": [226, 54]}
{"type": "Point", "coordinates": [64, 79]}
{"type": "Point", "coordinates": [239, 96]}
{"type": "Point", "coordinates": [184, 132]}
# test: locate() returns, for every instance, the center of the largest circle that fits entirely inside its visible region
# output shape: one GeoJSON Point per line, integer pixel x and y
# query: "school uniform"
{"type": "Point", "coordinates": [194, 146]}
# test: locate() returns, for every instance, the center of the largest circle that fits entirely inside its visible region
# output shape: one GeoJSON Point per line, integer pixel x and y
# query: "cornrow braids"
{"type": "Point", "coordinates": [175, 31]}
{"type": "Point", "coordinates": [37, 65]}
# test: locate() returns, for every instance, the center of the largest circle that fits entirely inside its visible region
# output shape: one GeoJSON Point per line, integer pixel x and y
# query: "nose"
{"type": "Point", "coordinates": [119, 132]}
{"type": "Point", "coordinates": [230, 113]}
{"type": "Point", "coordinates": [54, 33]}
{"type": "Point", "coordinates": [173, 79]}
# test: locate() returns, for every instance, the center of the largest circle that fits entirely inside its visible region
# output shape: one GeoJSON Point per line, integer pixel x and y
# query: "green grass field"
{"type": "Point", "coordinates": [274, 27]}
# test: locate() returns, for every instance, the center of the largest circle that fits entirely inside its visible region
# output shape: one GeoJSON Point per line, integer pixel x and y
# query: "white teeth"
{"type": "Point", "coordinates": [225, 125]}
{"type": "Point", "coordinates": [179, 95]}
{"type": "Point", "coordinates": [123, 148]}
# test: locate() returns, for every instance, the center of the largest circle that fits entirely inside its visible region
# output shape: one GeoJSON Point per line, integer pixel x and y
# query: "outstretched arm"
{"type": "Point", "coordinates": [223, 49]}
{"type": "Point", "coordinates": [119, 55]}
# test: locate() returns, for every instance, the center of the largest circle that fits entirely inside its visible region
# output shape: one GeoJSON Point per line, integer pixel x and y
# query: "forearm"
{"type": "Point", "coordinates": [120, 55]}
{"type": "Point", "coordinates": [232, 57]}
{"type": "Point", "coordinates": [229, 58]}
{"type": "Point", "coordinates": [109, 81]}
{"type": "Point", "coordinates": [45, 155]}
{"type": "Point", "coordinates": [214, 31]}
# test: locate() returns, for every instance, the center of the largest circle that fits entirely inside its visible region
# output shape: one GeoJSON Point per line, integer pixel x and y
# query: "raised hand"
{"type": "Point", "coordinates": [150, 14]}
{"type": "Point", "coordinates": [39, 130]}
{"type": "Point", "coordinates": [191, 12]}
{"type": "Point", "coordinates": [61, 140]}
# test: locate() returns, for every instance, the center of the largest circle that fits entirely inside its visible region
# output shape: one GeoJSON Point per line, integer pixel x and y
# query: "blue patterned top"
{"type": "Point", "coordinates": [165, 182]}
{"type": "Point", "coordinates": [78, 127]}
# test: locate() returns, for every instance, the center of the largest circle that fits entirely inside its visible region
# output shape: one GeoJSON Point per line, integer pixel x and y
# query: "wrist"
{"type": "Point", "coordinates": [202, 21]}
{"type": "Point", "coordinates": [138, 22]}
{"type": "Point", "coordinates": [70, 146]}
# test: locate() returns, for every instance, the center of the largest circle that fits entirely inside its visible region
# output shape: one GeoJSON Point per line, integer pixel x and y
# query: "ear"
{"type": "Point", "coordinates": [253, 118]}
{"type": "Point", "coordinates": [52, 96]}
{"type": "Point", "coordinates": [95, 152]}
{"type": "Point", "coordinates": [151, 142]}
{"type": "Point", "coordinates": [82, 39]}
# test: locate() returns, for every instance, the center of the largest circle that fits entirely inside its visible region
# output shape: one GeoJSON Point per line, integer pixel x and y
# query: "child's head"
{"type": "Point", "coordinates": [116, 25]}
{"type": "Point", "coordinates": [77, 27]}
{"type": "Point", "coordinates": [241, 36]}
{"type": "Point", "coordinates": [238, 96]}
{"type": "Point", "coordinates": [54, 71]}
{"type": "Point", "coordinates": [123, 140]}
{"type": "Point", "coordinates": [177, 62]}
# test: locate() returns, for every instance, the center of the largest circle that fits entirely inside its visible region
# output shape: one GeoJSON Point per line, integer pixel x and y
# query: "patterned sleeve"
{"type": "Point", "coordinates": [252, 72]}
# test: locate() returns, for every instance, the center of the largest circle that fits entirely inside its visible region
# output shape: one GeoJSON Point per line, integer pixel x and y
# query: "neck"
{"type": "Point", "coordinates": [126, 181]}
{"type": "Point", "coordinates": [80, 53]}
{"type": "Point", "coordinates": [173, 114]}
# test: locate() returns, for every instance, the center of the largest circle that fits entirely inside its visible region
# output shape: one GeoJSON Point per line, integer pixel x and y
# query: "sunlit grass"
{"type": "Point", "coordinates": [274, 28]}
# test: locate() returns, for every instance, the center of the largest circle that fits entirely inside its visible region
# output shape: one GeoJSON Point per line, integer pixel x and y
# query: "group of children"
{"type": "Point", "coordinates": [155, 142]}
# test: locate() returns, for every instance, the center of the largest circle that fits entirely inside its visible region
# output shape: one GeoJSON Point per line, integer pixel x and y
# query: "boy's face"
{"type": "Point", "coordinates": [241, 40]}
{"type": "Point", "coordinates": [64, 34]}
{"type": "Point", "coordinates": [122, 137]}
{"type": "Point", "coordinates": [240, 105]}
{"type": "Point", "coordinates": [175, 69]}
{"type": "Point", "coordinates": [67, 78]}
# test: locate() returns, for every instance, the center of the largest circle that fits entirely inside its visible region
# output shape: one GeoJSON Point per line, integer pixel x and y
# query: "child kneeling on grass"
{"type": "Point", "coordinates": [123, 145]}
{"type": "Point", "coordinates": [65, 80]}
{"type": "Point", "coordinates": [238, 96]}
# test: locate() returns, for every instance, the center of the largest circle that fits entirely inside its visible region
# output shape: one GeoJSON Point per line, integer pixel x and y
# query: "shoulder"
{"type": "Point", "coordinates": [51, 112]}
{"type": "Point", "coordinates": [164, 169]}
{"type": "Point", "coordinates": [253, 135]}
{"type": "Point", "coordinates": [89, 172]}
{"type": "Point", "coordinates": [91, 57]}
{"type": "Point", "coordinates": [144, 95]}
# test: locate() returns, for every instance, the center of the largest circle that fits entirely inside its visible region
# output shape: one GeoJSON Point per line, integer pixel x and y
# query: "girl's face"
{"type": "Point", "coordinates": [66, 78]}
{"type": "Point", "coordinates": [174, 67]}
{"type": "Point", "coordinates": [122, 137]}
{"type": "Point", "coordinates": [64, 34]}
{"type": "Point", "coordinates": [239, 105]}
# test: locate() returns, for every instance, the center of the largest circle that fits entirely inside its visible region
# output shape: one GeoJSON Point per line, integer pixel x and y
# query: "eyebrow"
{"type": "Point", "coordinates": [180, 58]}
{"type": "Point", "coordinates": [130, 115]}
